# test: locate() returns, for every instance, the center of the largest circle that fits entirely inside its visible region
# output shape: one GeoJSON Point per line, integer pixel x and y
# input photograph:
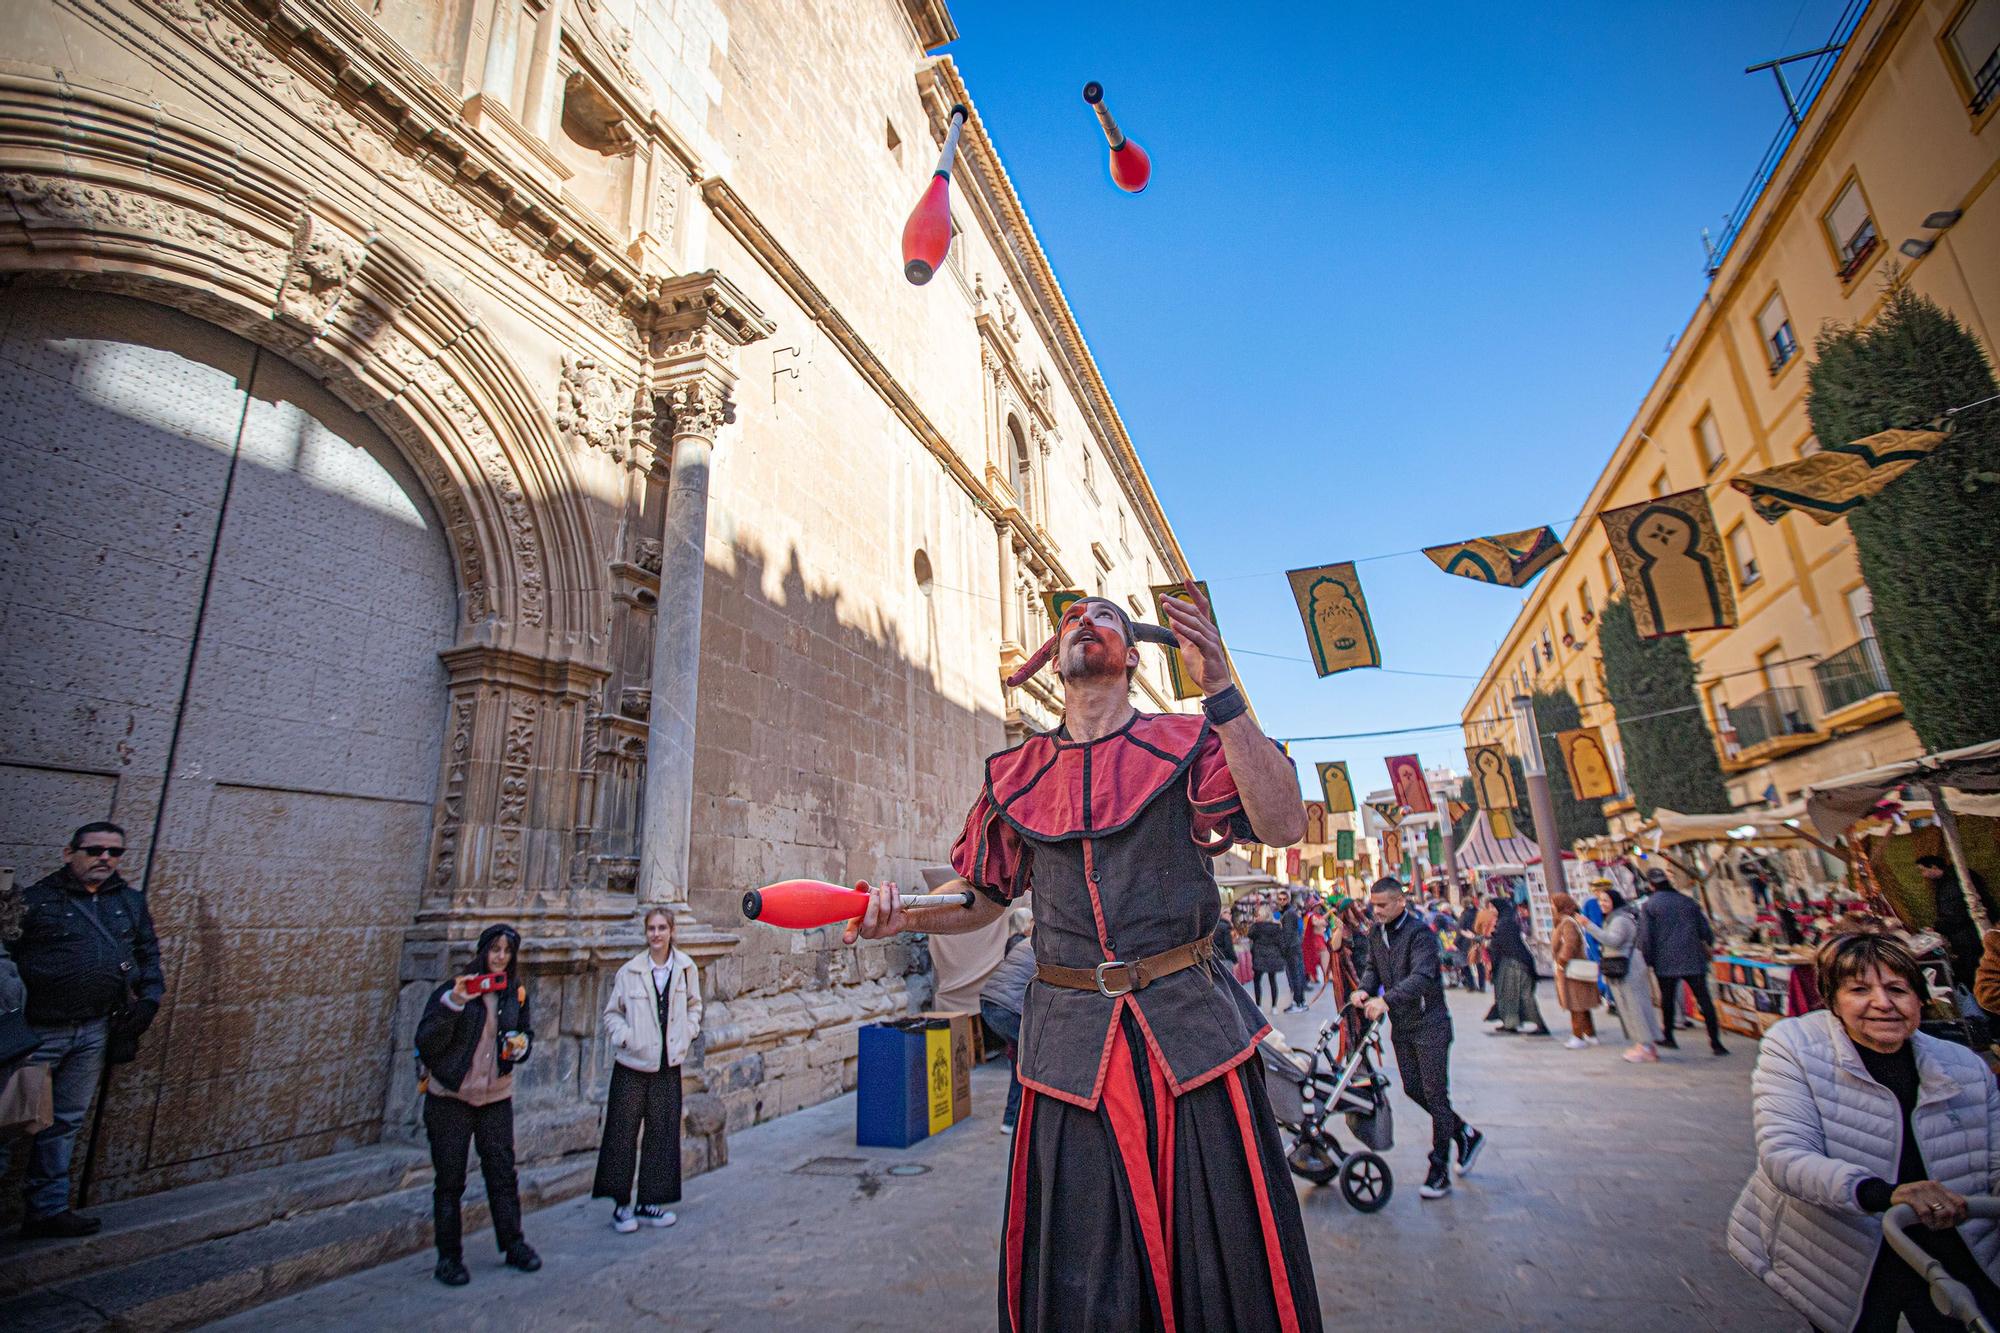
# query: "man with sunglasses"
{"type": "Point", "coordinates": [91, 964]}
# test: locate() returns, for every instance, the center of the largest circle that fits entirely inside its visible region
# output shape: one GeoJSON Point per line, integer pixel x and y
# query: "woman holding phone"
{"type": "Point", "coordinates": [475, 1029]}
{"type": "Point", "coordinates": [651, 1019]}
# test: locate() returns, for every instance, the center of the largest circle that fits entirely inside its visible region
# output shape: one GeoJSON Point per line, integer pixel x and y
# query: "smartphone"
{"type": "Point", "coordinates": [490, 981]}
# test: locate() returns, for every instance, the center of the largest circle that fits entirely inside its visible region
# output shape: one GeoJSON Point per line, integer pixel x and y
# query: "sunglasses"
{"type": "Point", "coordinates": [113, 852]}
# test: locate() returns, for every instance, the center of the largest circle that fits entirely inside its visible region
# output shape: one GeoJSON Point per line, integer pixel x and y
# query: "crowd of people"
{"type": "Point", "coordinates": [81, 981]}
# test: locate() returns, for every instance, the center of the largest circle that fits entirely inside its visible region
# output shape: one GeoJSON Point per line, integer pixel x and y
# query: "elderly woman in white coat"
{"type": "Point", "coordinates": [1857, 1111]}
{"type": "Point", "coordinates": [651, 1020]}
{"type": "Point", "coordinates": [1621, 944]}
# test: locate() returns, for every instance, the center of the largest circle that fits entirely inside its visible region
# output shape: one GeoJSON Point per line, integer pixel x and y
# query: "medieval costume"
{"type": "Point", "coordinates": [1148, 1187]}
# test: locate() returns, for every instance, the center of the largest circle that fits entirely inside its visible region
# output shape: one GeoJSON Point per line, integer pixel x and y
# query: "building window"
{"type": "Point", "coordinates": [1569, 630]}
{"type": "Point", "coordinates": [1610, 574]}
{"type": "Point", "coordinates": [1659, 486]}
{"type": "Point", "coordinates": [1123, 540]}
{"type": "Point", "coordinates": [1020, 465]}
{"type": "Point", "coordinates": [1589, 605]}
{"type": "Point", "coordinates": [895, 142]}
{"type": "Point", "coordinates": [1973, 38]}
{"type": "Point", "coordinates": [1548, 645]}
{"type": "Point", "coordinates": [1743, 555]}
{"type": "Point", "coordinates": [1850, 229]}
{"type": "Point", "coordinates": [1089, 473]}
{"type": "Point", "coordinates": [1774, 325]}
{"type": "Point", "coordinates": [1708, 438]}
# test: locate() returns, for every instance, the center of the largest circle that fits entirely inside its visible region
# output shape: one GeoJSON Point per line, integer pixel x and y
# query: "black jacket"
{"type": "Point", "coordinates": [1678, 936]}
{"type": "Point", "coordinates": [1225, 941]}
{"type": "Point", "coordinates": [1403, 965]}
{"type": "Point", "coordinates": [72, 971]}
{"type": "Point", "coordinates": [1267, 946]}
{"type": "Point", "coordinates": [447, 1038]}
{"type": "Point", "coordinates": [1295, 933]}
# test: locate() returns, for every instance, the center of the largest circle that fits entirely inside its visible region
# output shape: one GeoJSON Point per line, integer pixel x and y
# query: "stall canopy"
{"type": "Point", "coordinates": [1670, 828]}
{"type": "Point", "coordinates": [1837, 805]}
{"type": "Point", "coordinates": [1479, 851]}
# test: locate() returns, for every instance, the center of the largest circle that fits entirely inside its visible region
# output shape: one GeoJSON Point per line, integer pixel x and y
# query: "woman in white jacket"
{"type": "Point", "coordinates": [651, 1020]}
{"type": "Point", "coordinates": [1856, 1111]}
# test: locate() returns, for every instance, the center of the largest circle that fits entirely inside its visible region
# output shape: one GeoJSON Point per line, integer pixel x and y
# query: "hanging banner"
{"type": "Point", "coordinates": [1335, 785]}
{"type": "Point", "coordinates": [1434, 844]}
{"type": "Point", "coordinates": [1833, 483]}
{"type": "Point", "coordinates": [1502, 822]}
{"type": "Point", "coordinates": [1456, 810]}
{"type": "Point", "coordinates": [1329, 869]}
{"type": "Point", "coordinates": [1589, 766]}
{"type": "Point", "coordinates": [1336, 618]}
{"type": "Point", "coordinates": [1388, 812]}
{"type": "Point", "coordinates": [1316, 823]}
{"type": "Point", "coordinates": [1492, 777]}
{"type": "Point", "coordinates": [1510, 559]}
{"type": "Point", "coordinates": [1406, 778]}
{"type": "Point", "coordinates": [1177, 672]}
{"type": "Point", "coordinates": [1670, 557]}
{"type": "Point", "coordinates": [1392, 847]}
{"type": "Point", "coordinates": [1055, 601]}
{"type": "Point", "coordinates": [1343, 845]}
{"type": "Point", "coordinates": [1294, 859]}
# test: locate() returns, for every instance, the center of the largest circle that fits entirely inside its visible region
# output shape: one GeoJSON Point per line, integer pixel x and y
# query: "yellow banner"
{"type": "Point", "coordinates": [1589, 766]}
{"type": "Point", "coordinates": [1055, 601]}
{"type": "Point", "coordinates": [1336, 618]}
{"type": "Point", "coordinates": [1492, 777]}
{"type": "Point", "coordinates": [1510, 559]}
{"type": "Point", "coordinates": [1831, 484]}
{"type": "Point", "coordinates": [1177, 672]}
{"type": "Point", "coordinates": [1671, 559]}
{"type": "Point", "coordinates": [1336, 786]}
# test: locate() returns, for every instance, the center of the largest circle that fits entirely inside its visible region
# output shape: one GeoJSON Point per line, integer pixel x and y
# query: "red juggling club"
{"type": "Point", "coordinates": [1131, 169]}
{"type": "Point", "coordinates": [927, 235]}
{"type": "Point", "coordinates": [801, 904]}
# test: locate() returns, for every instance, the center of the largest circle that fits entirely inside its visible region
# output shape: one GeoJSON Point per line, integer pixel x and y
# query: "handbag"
{"type": "Point", "coordinates": [1580, 969]}
{"type": "Point", "coordinates": [1615, 967]}
{"type": "Point", "coordinates": [27, 1102]}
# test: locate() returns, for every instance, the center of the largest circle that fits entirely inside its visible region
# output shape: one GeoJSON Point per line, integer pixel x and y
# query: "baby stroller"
{"type": "Point", "coordinates": [1307, 1089]}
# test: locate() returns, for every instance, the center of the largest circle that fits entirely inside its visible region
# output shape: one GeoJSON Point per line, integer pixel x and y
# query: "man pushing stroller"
{"type": "Point", "coordinates": [1403, 978]}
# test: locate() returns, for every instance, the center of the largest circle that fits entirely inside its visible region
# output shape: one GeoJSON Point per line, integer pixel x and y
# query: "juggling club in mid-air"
{"type": "Point", "coordinates": [1131, 169]}
{"type": "Point", "coordinates": [927, 235]}
{"type": "Point", "coordinates": [802, 904]}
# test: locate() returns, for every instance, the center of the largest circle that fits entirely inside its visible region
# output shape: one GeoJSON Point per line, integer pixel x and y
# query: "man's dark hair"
{"type": "Point", "coordinates": [1386, 884]}
{"type": "Point", "coordinates": [100, 826]}
{"type": "Point", "coordinates": [1934, 862]}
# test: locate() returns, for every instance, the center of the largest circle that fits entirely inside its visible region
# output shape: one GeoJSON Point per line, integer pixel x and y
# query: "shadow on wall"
{"type": "Point", "coordinates": [825, 748]}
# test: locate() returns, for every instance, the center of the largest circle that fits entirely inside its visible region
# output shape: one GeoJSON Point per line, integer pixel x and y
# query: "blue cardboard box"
{"type": "Point", "coordinates": [892, 1094]}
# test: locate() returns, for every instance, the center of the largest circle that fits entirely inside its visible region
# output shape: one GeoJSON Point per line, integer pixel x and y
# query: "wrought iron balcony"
{"type": "Point", "coordinates": [1774, 713]}
{"type": "Point", "coordinates": [1854, 673]}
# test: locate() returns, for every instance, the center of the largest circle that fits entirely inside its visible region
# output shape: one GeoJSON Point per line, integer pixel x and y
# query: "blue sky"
{"type": "Point", "coordinates": [1393, 284]}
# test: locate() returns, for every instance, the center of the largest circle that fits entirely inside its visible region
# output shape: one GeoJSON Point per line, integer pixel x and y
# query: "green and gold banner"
{"type": "Point", "coordinates": [1670, 557]}
{"type": "Point", "coordinates": [1336, 618]}
{"type": "Point", "coordinates": [1336, 786]}
{"type": "Point", "coordinates": [1510, 559]}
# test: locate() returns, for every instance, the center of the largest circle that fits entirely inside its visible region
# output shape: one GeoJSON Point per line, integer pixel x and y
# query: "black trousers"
{"type": "Point", "coordinates": [1257, 981]}
{"type": "Point", "coordinates": [1670, 1004]}
{"type": "Point", "coordinates": [1423, 1060]}
{"type": "Point", "coordinates": [453, 1127]}
{"type": "Point", "coordinates": [1295, 973]}
{"type": "Point", "coordinates": [652, 1102]}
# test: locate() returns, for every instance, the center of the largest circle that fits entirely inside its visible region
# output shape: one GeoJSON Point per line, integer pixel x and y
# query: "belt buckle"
{"type": "Point", "coordinates": [1097, 975]}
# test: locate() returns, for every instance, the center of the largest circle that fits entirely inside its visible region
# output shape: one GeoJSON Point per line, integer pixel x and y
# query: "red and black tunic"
{"type": "Point", "coordinates": [1147, 1167]}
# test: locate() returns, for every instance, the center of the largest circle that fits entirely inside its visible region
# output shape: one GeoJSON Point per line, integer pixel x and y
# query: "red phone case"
{"type": "Point", "coordinates": [489, 981]}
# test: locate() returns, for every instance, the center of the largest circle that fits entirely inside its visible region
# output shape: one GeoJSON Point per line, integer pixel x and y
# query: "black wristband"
{"type": "Point", "coordinates": [1225, 705]}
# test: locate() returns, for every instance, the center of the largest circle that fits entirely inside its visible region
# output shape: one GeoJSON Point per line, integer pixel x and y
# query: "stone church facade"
{"type": "Point", "coordinates": [478, 460]}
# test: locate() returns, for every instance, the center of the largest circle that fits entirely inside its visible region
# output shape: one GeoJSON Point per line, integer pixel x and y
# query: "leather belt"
{"type": "Point", "coordinates": [1136, 975]}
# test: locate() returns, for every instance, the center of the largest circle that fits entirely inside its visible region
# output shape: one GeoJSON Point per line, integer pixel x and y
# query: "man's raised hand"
{"type": "Point", "coordinates": [1201, 642]}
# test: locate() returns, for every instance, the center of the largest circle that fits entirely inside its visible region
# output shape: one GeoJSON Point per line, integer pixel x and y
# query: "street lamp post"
{"type": "Point", "coordinates": [1442, 799]}
{"type": "Point", "coordinates": [1540, 802]}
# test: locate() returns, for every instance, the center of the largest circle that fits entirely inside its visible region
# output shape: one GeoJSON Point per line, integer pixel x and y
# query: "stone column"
{"type": "Point", "coordinates": [1010, 632]}
{"type": "Point", "coordinates": [696, 322]}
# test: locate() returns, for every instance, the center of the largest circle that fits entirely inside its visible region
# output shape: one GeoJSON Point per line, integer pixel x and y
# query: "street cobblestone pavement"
{"type": "Point", "coordinates": [1599, 1203]}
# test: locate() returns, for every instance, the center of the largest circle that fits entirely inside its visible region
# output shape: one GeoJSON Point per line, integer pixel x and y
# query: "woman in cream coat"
{"type": "Point", "coordinates": [651, 1019]}
{"type": "Point", "coordinates": [1856, 1111]}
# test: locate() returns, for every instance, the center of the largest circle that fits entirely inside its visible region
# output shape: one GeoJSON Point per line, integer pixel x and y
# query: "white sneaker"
{"type": "Point", "coordinates": [622, 1220]}
{"type": "Point", "coordinates": [1576, 1043]}
{"type": "Point", "coordinates": [1592, 1041]}
{"type": "Point", "coordinates": [656, 1215]}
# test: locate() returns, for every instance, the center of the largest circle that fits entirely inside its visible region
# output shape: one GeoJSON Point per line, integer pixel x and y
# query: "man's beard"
{"type": "Point", "coordinates": [1090, 660]}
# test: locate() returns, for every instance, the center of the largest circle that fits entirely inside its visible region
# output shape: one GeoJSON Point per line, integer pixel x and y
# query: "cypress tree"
{"type": "Point", "coordinates": [1669, 753]}
{"type": "Point", "coordinates": [1929, 543]}
{"type": "Point", "coordinates": [1556, 710]}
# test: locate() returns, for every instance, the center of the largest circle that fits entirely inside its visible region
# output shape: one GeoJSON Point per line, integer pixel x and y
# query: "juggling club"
{"type": "Point", "coordinates": [1131, 169]}
{"type": "Point", "coordinates": [927, 235]}
{"type": "Point", "coordinates": [802, 904]}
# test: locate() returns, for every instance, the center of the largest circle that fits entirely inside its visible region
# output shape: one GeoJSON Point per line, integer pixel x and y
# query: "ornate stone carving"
{"type": "Point", "coordinates": [97, 208]}
{"type": "Point", "coordinates": [666, 208]}
{"type": "Point", "coordinates": [636, 701]}
{"type": "Point", "coordinates": [591, 407]}
{"type": "Point", "coordinates": [516, 760]}
{"type": "Point", "coordinates": [451, 802]}
{"type": "Point", "coordinates": [1038, 389]}
{"type": "Point", "coordinates": [699, 406]}
{"type": "Point", "coordinates": [650, 554]}
{"type": "Point", "coordinates": [318, 272]}
{"type": "Point", "coordinates": [1010, 315]}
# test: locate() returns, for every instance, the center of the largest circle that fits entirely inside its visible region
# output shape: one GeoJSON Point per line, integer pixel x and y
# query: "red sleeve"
{"type": "Point", "coordinates": [1219, 820]}
{"type": "Point", "coordinates": [990, 855]}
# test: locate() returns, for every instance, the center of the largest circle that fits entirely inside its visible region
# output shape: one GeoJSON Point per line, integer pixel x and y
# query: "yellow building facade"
{"type": "Point", "coordinates": [1891, 170]}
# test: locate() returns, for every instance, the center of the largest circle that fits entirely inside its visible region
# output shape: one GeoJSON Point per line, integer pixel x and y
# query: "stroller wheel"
{"type": "Point", "coordinates": [1365, 1182]}
{"type": "Point", "coordinates": [1311, 1159]}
